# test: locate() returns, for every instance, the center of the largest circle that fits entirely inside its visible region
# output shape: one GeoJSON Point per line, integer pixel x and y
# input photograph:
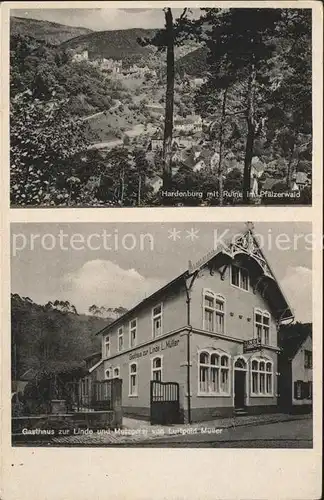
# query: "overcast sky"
{"type": "Point", "coordinates": [120, 276]}
{"type": "Point", "coordinates": [101, 19]}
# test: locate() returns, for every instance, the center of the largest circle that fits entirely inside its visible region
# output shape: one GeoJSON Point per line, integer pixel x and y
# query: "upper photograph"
{"type": "Point", "coordinates": [160, 107]}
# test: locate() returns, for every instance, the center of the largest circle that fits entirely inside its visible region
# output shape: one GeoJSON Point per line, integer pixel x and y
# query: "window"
{"type": "Point", "coordinates": [262, 326]}
{"type": "Point", "coordinates": [268, 378]}
{"type": "Point", "coordinates": [308, 359]}
{"type": "Point", "coordinates": [120, 339]}
{"type": "Point", "coordinates": [204, 372]}
{"type": "Point", "coordinates": [107, 346]}
{"type": "Point", "coordinates": [214, 312]}
{"type": "Point", "coordinates": [235, 276]}
{"type": "Point", "coordinates": [133, 333]}
{"type": "Point", "coordinates": [224, 381]}
{"type": "Point", "coordinates": [255, 377]}
{"type": "Point", "coordinates": [298, 389]}
{"type": "Point", "coordinates": [116, 372]}
{"type": "Point", "coordinates": [244, 279]}
{"type": "Point", "coordinates": [261, 377]}
{"type": "Point", "coordinates": [239, 277]}
{"type": "Point", "coordinates": [213, 373]}
{"type": "Point", "coordinates": [133, 379]}
{"type": "Point", "coordinates": [108, 373]}
{"type": "Point", "coordinates": [303, 390]}
{"type": "Point", "coordinates": [157, 320]}
{"type": "Point", "coordinates": [157, 368]}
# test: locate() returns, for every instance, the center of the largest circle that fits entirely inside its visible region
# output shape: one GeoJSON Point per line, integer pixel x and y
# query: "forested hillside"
{"type": "Point", "coordinates": [46, 71]}
{"type": "Point", "coordinates": [117, 44]}
{"type": "Point", "coordinates": [194, 63]}
{"type": "Point", "coordinates": [50, 32]}
{"type": "Point", "coordinates": [50, 335]}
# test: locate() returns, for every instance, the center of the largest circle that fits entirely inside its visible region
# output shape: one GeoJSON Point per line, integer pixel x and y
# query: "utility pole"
{"type": "Point", "coordinates": [189, 326]}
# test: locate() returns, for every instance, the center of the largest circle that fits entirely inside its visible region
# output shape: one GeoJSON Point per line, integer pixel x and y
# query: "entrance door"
{"type": "Point", "coordinates": [239, 388]}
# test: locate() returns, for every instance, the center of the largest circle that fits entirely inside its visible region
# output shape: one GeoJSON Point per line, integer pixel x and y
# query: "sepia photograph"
{"type": "Point", "coordinates": [169, 335]}
{"type": "Point", "coordinates": [141, 107]}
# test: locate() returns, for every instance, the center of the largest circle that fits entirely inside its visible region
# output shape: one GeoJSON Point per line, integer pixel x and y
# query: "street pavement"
{"type": "Point", "coordinates": [258, 431]}
{"type": "Point", "coordinates": [286, 434]}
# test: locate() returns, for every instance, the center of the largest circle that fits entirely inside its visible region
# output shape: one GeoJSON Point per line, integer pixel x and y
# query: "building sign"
{"type": "Point", "coordinates": [154, 349]}
{"type": "Point", "coordinates": [251, 345]}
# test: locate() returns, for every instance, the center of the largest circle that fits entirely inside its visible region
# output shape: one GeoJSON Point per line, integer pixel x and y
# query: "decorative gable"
{"type": "Point", "coordinates": [248, 245]}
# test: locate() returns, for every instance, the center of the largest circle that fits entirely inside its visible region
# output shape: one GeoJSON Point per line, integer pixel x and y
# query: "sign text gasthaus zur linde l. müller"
{"type": "Point", "coordinates": [161, 346]}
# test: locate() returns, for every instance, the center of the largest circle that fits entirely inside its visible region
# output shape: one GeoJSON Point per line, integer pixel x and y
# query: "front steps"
{"type": "Point", "coordinates": [240, 412]}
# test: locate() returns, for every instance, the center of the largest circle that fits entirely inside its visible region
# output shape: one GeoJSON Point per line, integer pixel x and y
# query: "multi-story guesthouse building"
{"type": "Point", "coordinates": [212, 331]}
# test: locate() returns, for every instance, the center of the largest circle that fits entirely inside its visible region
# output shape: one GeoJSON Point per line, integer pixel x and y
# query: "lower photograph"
{"type": "Point", "coordinates": [173, 334]}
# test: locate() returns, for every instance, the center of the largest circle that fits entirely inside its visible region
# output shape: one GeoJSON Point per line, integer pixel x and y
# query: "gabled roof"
{"type": "Point", "coordinates": [92, 356]}
{"type": "Point", "coordinates": [292, 337]}
{"type": "Point", "coordinates": [246, 245]}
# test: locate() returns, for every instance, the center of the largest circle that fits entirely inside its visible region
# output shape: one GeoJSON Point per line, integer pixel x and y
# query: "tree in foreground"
{"type": "Point", "coordinates": [174, 33]}
{"type": "Point", "coordinates": [44, 141]}
{"type": "Point", "coordinates": [240, 45]}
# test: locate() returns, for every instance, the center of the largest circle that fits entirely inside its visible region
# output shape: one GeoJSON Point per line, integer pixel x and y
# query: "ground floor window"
{"type": "Point", "coordinates": [133, 380]}
{"type": "Point", "coordinates": [303, 390]}
{"type": "Point", "coordinates": [157, 368]}
{"type": "Point", "coordinates": [213, 373]}
{"type": "Point", "coordinates": [261, 377]}
{"type": "Point", "coordinates": [116, 372]}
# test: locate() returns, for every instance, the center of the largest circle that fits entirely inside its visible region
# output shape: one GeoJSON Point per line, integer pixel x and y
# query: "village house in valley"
{"type": "Point", "coordinates": [211, 333]}
{"type": "Point", "coordinates": [296, 368]}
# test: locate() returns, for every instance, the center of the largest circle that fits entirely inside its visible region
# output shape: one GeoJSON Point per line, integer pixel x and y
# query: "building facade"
{"type": "Point", "coordinates": [213, 330]}
{"type": "Point", "coordinates": [296, 368]}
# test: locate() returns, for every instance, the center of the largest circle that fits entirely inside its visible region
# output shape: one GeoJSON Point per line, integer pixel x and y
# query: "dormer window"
{"type": "Point", "coordinates": [239, 277]}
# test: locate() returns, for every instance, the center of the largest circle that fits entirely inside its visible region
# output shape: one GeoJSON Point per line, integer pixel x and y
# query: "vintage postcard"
{"type": "Point", "coordinates": [168, 345]}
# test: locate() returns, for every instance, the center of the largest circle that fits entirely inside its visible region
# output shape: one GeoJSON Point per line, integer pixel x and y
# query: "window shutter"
{"type": "Point", "coordinates": [299, 389]}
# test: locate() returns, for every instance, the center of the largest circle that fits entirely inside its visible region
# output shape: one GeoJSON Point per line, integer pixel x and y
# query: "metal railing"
{"type": "Point", "coordinates": [94, 395]}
